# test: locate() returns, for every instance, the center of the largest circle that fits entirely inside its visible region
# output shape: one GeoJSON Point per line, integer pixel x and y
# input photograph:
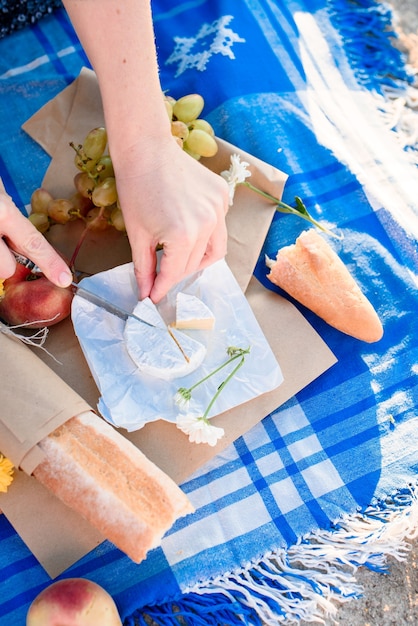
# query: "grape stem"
{"type": "Point", "coordinates": [83, 237]}
{"type": "Point", "coordinates": [83, 160]}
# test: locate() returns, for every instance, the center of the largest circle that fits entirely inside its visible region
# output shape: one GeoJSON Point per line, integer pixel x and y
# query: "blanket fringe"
{"type": "Point", "coordinates": [367, 36]}
{"type": "Point", "coordinates": [308, 581]}
{"type": "Point", "coordinates": [311, 579]}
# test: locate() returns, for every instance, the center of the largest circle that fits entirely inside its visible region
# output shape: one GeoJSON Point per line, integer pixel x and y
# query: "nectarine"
{"type": "Point", "coordinates": [73, 602]}
{"type": "Point", "coordinates": [34, 300]}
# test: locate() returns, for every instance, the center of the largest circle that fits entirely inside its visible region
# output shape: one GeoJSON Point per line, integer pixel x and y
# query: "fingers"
{"type": "Point", "coordinates": [217, 246]}
{"type": "Point", "coordinates": [179, 262]}
{"type": "Point", "coordinates": [145, 264]}
{"type": "Point", "coordinates": [7, 261]}
{"type": "Point", "coordinates": [26, 239]}
{"type": "Point", "coordinates": [184, 211]}
{"type": "Point", "coordinates": [173, 264]}
{"type": "Point", "coordinates": [52, 265]}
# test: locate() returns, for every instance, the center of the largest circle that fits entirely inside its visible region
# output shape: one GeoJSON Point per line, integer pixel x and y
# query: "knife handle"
{"type": "Point", "coordinates": [23, 260]}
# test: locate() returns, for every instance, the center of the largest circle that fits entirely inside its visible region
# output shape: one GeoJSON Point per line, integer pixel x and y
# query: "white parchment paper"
{"type": "Point", "coordinates": [129, 398]}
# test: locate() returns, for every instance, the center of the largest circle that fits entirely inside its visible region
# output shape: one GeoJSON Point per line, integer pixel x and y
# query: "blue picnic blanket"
{"type": "Point", "coordinates": [313, 88]}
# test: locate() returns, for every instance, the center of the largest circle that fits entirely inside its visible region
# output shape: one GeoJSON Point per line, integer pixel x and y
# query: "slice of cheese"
{"type": "Point", "coordinates": [146, 310]}
{"type": "Point", "coordinates": [158, 351]}
{"type": "Point", "coordinates": [192, 313]}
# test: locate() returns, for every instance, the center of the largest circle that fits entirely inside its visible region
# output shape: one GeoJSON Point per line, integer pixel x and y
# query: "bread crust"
{"type": "Point", "coordinates": [313, 274]}
{"type": "Point", "coordinates": [99, 473]}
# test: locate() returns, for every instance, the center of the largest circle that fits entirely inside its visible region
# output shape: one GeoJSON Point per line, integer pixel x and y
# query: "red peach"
{"type": "Point", "coordinates": [73, 602]}
{"type": "Point", "coordinates": [28, 299]}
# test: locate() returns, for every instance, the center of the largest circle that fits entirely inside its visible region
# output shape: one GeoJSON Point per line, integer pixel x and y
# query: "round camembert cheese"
{"type": "Point", "coordinates": [157, 350]}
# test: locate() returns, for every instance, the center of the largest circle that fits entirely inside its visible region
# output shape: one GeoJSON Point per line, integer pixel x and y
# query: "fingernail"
{"type": "Point", "coordinates": [65, 279]}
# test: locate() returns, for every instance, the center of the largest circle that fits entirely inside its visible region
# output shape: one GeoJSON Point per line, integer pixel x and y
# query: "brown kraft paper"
{"type": "Point", "coordinates": [31, 415]}
{"type": "Point", "coordinates": [300, 351]}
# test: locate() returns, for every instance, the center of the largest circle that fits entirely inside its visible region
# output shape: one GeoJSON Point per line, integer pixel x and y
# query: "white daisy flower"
{"type": "Point", "coordinates": [199, 429]}
{"type": "Point", "coordinates": [236, 174]}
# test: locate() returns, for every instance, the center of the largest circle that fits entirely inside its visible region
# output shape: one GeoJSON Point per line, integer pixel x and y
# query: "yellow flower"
{"type": "Point", "coordinates": [6, 473]}
{"type": "Point", "coordinates": [1, 287]}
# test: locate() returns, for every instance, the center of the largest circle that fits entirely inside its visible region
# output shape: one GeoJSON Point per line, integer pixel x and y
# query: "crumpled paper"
{"type": "Point", "coordinates": [130, 398]}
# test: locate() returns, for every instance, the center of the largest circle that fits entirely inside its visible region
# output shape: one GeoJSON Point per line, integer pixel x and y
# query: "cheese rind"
{"type": "Point", "coordinates": [192, 313]}
{"type": "Point", "coordinates": [158, 351]}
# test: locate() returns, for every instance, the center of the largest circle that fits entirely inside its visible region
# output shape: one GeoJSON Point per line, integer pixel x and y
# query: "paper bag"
{"type": "Point", "coordinates": [29, 416]}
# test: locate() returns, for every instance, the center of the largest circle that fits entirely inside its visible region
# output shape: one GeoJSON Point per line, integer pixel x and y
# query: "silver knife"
{"type": "Point", "coordinates": [83, 292]}
{"type": "Point", "coordinates": [97, 300]}
{"type": "Point", "coordinates": [108, 306]}
{"type": "Point", "coordinates": [119, 312]}
{"type": "Point", "coordinates": [23, 260]}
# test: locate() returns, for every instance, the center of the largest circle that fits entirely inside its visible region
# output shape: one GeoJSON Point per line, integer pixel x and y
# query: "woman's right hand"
{"type": "Point", "coordinates": [172, 200]}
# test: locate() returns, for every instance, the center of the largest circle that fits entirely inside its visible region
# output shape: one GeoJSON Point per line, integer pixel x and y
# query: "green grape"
{"type": "Point", "coordinates": [179, 129]}
{"type": "Point", "coordinates": [40, 221]}
{"type": "Point", "coordinates": [104, 167]}
{"type": "Point", "coordinates": [169, 108]}
{"type": "Point", "coordinates": [94, 144]}
{"type": "Point", "coordinates": [78, 161]}
{"type": "Point", "coordinates": [81, 204]}
{"type": "Point", "coordinates": [170, 99]}
{"type": "Point", "coordinates": [81, 162]}
{"type": "Point", "coordinates": [60, 210]}
{"type": "Point", "coordinates": [201, 143]}
{"type": "Point", "coordinates": [105, 193]}
{"type": "Point", "coordinates": [194, 155]}
{"type": "Point", "coordinates": [97, 219]}
{"type": "Point", "coordinates": [188, 108]}
{"type": "Point", "coordinates": [39, 201]}
{"type": "Point", "coordinates": [202, 125]}
{"type": "Point", "coordinates": [84, 184]}
{"type": "Point", "coordinates": [116, 219]}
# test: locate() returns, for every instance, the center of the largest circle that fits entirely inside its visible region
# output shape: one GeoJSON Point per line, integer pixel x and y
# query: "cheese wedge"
{"type": "Point", "coordinates": [159, 351]}
{"type": "Point", "coordinates": [192, 313]}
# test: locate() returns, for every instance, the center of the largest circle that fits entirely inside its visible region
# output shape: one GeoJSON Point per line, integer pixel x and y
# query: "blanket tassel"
{"type": "Point", "coordinates": [392, 81]}
{"type": "Point", "coordinates": [306, 582]}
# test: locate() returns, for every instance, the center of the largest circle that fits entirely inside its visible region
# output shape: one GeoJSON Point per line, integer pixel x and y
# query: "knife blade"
{"type": "Point", "coordinates": [92, 297]}
{"type": "Point", "coordinates": [121, 313]}
{"type": "Point", "coordinates": [108, 306]}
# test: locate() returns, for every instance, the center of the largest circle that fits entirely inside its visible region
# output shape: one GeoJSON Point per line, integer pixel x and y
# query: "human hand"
{"type": "Point", "coordinates": [26, 239]}
{"type": "Point", "coordinates": [169, 198]}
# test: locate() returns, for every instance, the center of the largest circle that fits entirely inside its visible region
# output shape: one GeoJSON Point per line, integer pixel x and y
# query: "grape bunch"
{"type": "Point", "coordinates": [95, 198]}
{"type": "Point", "coordinates": [195, 135]}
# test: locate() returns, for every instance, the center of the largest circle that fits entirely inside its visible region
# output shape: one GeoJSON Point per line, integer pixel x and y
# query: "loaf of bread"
{"type": "Point", "coordinates": [99, 473]}
{"type": "Point", "coordinates": [313, 274]}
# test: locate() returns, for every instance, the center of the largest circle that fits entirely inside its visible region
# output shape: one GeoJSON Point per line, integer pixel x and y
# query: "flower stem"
{"type": "Point", "coordinates": [240, 352]}
{"type": "Point", "coordinates": [224, 383]}
{"type": "Point", "coordinates": [183, 395]}
{"type": "Point", "coordinates": [300, 210]}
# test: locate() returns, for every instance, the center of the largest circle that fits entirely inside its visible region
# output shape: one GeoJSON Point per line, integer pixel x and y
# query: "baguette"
{"type": "Point", "coordinates": [313, 274]}
{"type": "Point", "coordinates": [107, 480]}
